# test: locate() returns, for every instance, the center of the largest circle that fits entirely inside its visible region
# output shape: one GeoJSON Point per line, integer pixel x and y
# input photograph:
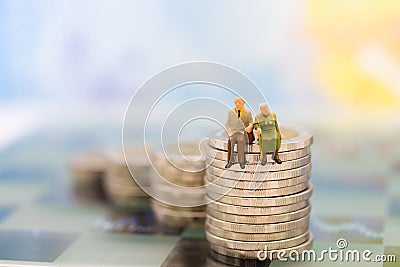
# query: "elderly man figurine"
{"type": "Point", "coordinates": [238, 119]}
{"type": "Point", "coordinates": [266, 125]}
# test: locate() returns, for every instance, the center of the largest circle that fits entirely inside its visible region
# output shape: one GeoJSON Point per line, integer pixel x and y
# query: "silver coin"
{"type": "Point", "coordinates": [142, 172]}
{"type": "Point", "coordinates": [179, 212]}
{"type": "Point", "coordinates": [130, 193]}
{"type": "Point", "coordinates": [125, 191]}
{"type": "Point", "coordinates": [184, 170]}
{"type": "Point", "coordinates": [123, 181]}
{"type": "Point", "coordinates": [218, 260]}
{"type": "Point", "coordinates": [211, 262]}
{"type": "Point", "coordinates": [120, 187]}
{"type": "Point", "coordinates": [177, 178]}
{"type": "Point", "coordinates": [215, 191]}
{"type": "Point", "coordinates": [163, 205]}
{"type": "Point", "coordinates": [257, 245]}
{"type": "Point", "coordinates": [256, 158]}
{"type": "Point", "coordinates": [209, 178]}
{"type": "Point", "coordinates": [127, 201]}
{"type": "Point", "coordinates": [90, 165]}
{"type": "Point", "coordinates": [112, 177]}
{"type": "Point", "coordinates": [118, 164]}
{"type": "Point", "coordinates": [293, 138]}
{"type": "Point", "coordinates": [84, 182]}
{"type": "Point", "coordinates": [255, 237]}
{"type": "Point", "coordinates": [270, 167]}
{"type": "Point", "coordinates": [174, 221]}
{"type": "Point", "coordinates": [179, 189]}
{"type": "Point", "coordinates": [259, 219]}
{"type": "Point", "coordinates": [187, 162]}
{"type": "Point", "coordinates": [137, 155]}
{"type": "Point", "coordinates": [87, 177]}
{"type": "Point", "coordinates": [193, 197]}
{"type": "Point", "coordinates": [265, 201]}
{"type": "Point", "coordinates": [172, 172]}
{"type": "Point", "coordinates": [258, 228]}
{"type": "Point", "coordinates": [265, 176]}
{"type": "Point", "coordinates": [161, 189]}
{"type": "Point", "coordinates": [253, 254]}
{"type": "Point", "coordinates": [243, 210]}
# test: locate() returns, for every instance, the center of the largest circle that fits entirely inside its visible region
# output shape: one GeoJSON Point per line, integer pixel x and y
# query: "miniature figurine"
{"type": "Point", "coordinates": [266, 125]}
{"type": "Point", "coordinates": [238, 119]}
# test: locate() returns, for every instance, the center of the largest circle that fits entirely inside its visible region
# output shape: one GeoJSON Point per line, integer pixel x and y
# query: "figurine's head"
{"type": "Point", "coordinates": [264, 108]}
{"type": "Point", "coordinates": [239, 103]}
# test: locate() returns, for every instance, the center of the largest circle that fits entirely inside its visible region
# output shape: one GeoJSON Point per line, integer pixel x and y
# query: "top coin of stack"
{"type": "Point", "coordinates": [260, 207]}
{"type": "Point", "coordinates": [120, 186]}
{"type": "Point", "coordinates": [175, 179]}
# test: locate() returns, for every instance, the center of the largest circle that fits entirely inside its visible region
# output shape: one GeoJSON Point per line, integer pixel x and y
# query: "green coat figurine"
{"type": "Point", "coordinates": [266, 125]}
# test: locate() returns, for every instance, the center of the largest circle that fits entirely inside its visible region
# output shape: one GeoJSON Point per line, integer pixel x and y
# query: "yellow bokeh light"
{"type": "Point", "coordinates": [341, 29]}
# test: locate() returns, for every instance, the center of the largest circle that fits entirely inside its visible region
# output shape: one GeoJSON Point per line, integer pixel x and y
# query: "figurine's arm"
{"type": "Point", "coordinates": [247, 119]}
{"type": "Point", "coordinates": [276, 124]}
{"type": "Point", "coordinates": [249, 128]}
{"type": "Point", "coordinates": [249, 122]}
{"type": "Point", "coordinates": [228, 124]}
{"type": "Point", "coordinates": [256, 126]}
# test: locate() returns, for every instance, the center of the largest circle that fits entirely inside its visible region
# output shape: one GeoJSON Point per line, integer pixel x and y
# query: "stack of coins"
{"type": "Point", "coordinates": [120, 186]}
{"type": "Point", "coordinates": [171, 172]}
{"type": "Point", "coordinates": [89, 170]}
{"type": "Point", "coordinates": [259, 211]}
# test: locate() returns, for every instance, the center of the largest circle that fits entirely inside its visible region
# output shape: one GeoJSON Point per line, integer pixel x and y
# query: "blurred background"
{"type": "Point", "coordinates": [324, 64]}
{"type": "Point", "coordinates": [68, 70]}
{"type": "Point", "coordinates": [83, 60]}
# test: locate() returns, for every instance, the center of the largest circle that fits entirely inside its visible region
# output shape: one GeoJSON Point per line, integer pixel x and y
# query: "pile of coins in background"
{"type": "Point", "coordinates": [89, 170]}
{"type": "Point", "coordinates": [120, 187]}
{"type": "Point", "coordinates": [175, 171]}
{"type": "Point", "coordinates": [105, 175]}
{"type": "Point", "coordinates": [259, 208]}
{"type": "Point", "coordinates": [171, 176]}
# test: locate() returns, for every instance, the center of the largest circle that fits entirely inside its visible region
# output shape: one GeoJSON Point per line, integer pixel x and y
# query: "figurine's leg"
{"type": "Point", "coordinates": [241, 143]}
{"type": "Point", "coordinates": [233, 141]}
{"type": "Point", "coordinates": [247, 144]}
{"type": "Point", "coordinates": [276, 157]}
{"type": "Point", "coordinates": [250, 137]}
{"type": "Point", "coordinates": [278, 146]}
{"type": "Point", "coordinates": [229, 149]}
{"type": "Point", "coordinates": [264, 159]}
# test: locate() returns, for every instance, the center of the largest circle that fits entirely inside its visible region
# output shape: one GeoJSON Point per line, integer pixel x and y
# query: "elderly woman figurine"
{"type": "Point", "coordinates": [266, 125]}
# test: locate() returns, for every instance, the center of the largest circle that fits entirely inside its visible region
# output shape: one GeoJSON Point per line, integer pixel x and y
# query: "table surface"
{"type": "Point", "coordinates": [356, 197]}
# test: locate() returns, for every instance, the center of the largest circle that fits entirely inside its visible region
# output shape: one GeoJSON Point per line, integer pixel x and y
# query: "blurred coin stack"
{"type": "Point", "coordinates": [177, 178]}
{"type": "Point", "coordinates": [120, 186]}
{"type": "Point", "coordinates": [259, 208]}
{"type": "Point", "coordinates": [89, 170]}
